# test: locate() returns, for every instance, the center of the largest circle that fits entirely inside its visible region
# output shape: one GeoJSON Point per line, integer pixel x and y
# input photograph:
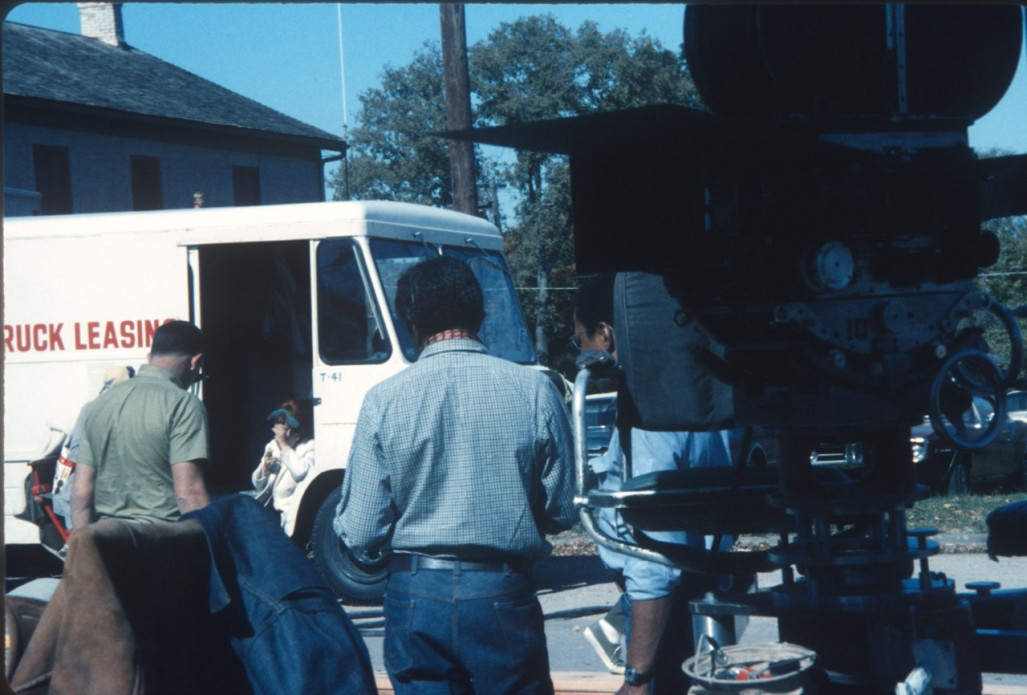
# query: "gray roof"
{"type": "Point", "coordinates": [42, 64]}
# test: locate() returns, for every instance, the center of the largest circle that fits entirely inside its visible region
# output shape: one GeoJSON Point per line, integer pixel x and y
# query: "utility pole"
{"type": "Point", "coordinates": [494, 203]}
{"type": "Point", "coordinates": [458, 106]}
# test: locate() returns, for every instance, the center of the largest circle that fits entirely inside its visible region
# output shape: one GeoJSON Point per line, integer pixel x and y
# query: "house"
{"type": "Point", "coordinates": [94, 125]}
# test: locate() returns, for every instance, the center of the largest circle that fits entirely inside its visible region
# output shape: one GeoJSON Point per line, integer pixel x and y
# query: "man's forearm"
{"type": "Point", "coordinates": [81, 515]}
{"type": "Point", "coordinates": [83, 491]}
{"type": "Point", "coordinates": [192, 501]}
{"type": "Point", "coordinates": [190, 489]}
{"type": "Point", "coordinates": [648, 621]}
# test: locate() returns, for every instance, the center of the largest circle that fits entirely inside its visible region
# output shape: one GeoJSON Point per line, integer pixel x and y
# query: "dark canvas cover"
{"type": "Point", "coordinates": [1007, 530]}
{"type": "Point", "coordinates": [667, 359]}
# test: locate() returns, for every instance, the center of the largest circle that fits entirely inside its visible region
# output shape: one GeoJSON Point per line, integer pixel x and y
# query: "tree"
{"type": "Point", "coordinates": [394, 155]}
{"type": "Point", "coordinates": [1006, 283]}
{"type": "Point", "coordinates": [1006, 280]}
{"type": "Point", "coordinates": [621, 72]}
{"type": "Point", "coordinates": [541, 254]}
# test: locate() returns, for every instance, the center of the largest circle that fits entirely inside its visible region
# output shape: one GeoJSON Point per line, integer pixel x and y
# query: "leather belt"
{"type": "Point", "coordinates": [412, 563]}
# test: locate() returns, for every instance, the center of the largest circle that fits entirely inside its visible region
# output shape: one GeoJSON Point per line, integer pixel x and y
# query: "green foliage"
{"type": "Point", "coordinates": [621, 72]}
{"type": "Point", "coordinates": [393, 154]}
{"type": "Point", "coordinates": [1006, 283]}
{"type": "Point", "coordinates": [541, 253]}
{"type": "Point", "coordinates": [524, 71]}
{"type": "Point", "coordinates": [535, 69]}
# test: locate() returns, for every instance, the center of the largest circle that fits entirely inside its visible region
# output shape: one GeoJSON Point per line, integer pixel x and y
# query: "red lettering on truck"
{"type": "Point", "coordinates": [39, 343]}
{"type": "Point", "coordinates": [127, 336]}
{"type": "Point", "coordinates": [56, 341]}
{"type": "Point", "coordinates": [110, 336]}
{"type": "Point", "coordinates": [33, 337]}
{"type": "Point", "coordinates": [88, 335]}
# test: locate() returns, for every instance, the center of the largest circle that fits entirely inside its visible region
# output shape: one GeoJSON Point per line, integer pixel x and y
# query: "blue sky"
{"type": "Point", "coordinates": [287, 55]}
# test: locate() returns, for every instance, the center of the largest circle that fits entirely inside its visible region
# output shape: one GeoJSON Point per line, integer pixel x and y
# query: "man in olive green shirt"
{"type": "Point", "coordinates": [145, 442]}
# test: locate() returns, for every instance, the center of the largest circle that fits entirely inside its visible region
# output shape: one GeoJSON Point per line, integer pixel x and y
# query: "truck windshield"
{"type": "Point", "coordinates": [504, 332]}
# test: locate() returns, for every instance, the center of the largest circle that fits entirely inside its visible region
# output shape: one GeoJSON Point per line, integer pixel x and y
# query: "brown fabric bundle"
{"type": "Point", "coordinates": [126, 615]}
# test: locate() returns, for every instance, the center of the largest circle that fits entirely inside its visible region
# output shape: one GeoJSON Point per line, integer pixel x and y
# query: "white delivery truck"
{"type": "Point", "coordinates": [295, 301]}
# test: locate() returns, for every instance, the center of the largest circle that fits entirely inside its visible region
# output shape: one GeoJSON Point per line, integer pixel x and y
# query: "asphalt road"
{"type": "Point", "coordinates": [574, 591]}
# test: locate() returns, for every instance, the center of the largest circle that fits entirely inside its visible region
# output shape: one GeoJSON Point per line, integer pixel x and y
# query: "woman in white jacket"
{"type": "Point", "coordinates": [287, 460]}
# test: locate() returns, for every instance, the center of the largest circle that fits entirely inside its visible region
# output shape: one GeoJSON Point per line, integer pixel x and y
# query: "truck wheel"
{"type": "Point", "coordinates": [353, 582]}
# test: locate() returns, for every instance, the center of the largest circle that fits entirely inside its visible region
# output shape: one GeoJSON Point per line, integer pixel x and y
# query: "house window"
{"type": "Point", "coordinates": [53, 179]}
{"type": "Point", "coordinates": [246, 185]}
{"type": "Point", "coordinates": [146, 192]}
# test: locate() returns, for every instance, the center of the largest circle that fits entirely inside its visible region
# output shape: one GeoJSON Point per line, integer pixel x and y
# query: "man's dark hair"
{"type": "Point", "coordinates": [439, 294]}
{"type": "Point", "coordinates": [593, 302]}
{"type": "Point", "coordinates": [177, 338]}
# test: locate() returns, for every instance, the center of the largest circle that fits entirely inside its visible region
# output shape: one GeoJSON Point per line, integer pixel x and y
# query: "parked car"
{"type": "Point", "coordinates": [600, 418]}
{"type": "Point", "coordinates": [953, 471]}
{"type": "Point", "coordinates": [1016, 403]}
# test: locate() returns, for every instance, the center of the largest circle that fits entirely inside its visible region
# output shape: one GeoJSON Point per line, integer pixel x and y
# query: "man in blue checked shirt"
{"type": "Point", "coordinates": [460, 466]}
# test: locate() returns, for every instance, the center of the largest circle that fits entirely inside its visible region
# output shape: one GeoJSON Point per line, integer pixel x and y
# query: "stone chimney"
{"type": "Point", "coordinates": [102, 20]}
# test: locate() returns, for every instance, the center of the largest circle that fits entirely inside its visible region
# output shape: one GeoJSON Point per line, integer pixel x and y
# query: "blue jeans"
{"type": "Point", "coordinates": [449, 632]}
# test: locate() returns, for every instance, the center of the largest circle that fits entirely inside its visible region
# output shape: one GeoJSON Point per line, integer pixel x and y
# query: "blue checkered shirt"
{"type": "Point", "coordinates": [462, 455]}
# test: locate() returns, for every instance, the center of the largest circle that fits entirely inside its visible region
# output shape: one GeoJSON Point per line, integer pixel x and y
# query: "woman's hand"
{"type": "Point", "coordinates": [285, 436]}
{"type": "Point", "coordinates": [281, 432]}
{"type": "Point", "coordinates": [269, 463]}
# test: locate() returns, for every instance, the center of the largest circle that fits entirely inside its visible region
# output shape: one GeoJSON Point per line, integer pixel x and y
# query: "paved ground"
{"type": "Point", "coordinates": [576, 590]}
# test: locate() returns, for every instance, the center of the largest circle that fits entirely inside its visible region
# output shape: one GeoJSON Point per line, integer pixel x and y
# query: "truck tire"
{"type": "Point", "coordinates": [354, 583]}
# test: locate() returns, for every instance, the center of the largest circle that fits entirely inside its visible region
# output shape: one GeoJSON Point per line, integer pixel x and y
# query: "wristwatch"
{"type": "Point", "coordinates": [633, 677]}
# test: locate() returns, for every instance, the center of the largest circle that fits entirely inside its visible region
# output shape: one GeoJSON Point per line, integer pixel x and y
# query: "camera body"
{"type": "Point", "coordinates": [822, 226]}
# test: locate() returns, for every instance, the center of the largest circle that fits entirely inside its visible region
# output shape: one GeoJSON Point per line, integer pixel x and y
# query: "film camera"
{"type": "Point", "coordinates": [802, 257]}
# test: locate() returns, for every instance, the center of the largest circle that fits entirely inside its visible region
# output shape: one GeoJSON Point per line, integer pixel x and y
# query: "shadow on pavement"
{"type": "Point", "coordinates": [555, 573]}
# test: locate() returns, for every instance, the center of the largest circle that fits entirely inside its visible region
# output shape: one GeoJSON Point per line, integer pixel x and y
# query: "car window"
{"type": "Point", "coordinates": [600, 419]}
{"type": "Point", "coordinates": [600, 412]}
{"type": "Point", "coordinates": [1017, 400]}
{"type": "Point", "coordinates": [984, 409]}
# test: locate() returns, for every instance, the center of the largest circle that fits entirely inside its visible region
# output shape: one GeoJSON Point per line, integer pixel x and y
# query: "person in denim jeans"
{"type": "Point", "coordinates": [460, 465]}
